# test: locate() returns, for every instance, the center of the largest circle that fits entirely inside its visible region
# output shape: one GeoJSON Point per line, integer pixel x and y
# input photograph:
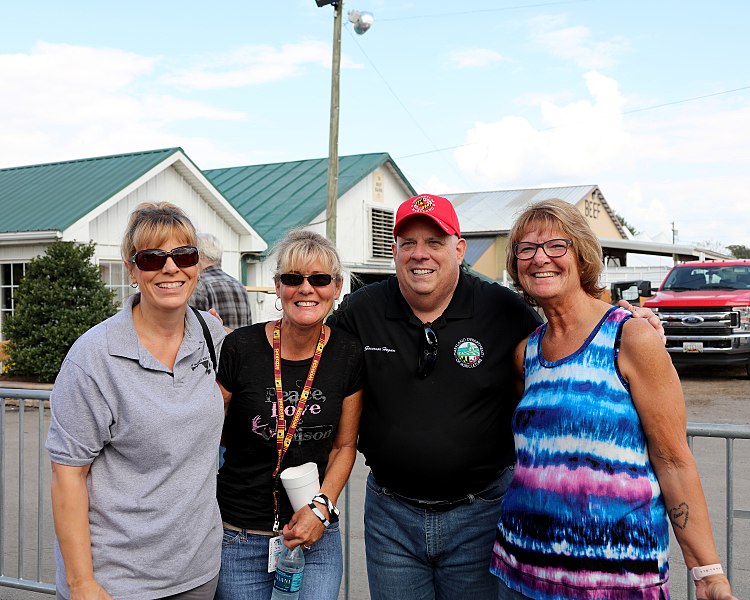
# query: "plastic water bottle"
{"type": "Point", "coordinates": [289, 571]}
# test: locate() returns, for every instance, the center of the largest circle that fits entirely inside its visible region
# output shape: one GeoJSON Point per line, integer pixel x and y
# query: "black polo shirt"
{"type": "Point", "coordinates": [449, 434]}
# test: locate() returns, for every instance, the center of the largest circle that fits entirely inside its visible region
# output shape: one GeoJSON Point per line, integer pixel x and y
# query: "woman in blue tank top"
{"type": "Point", "coordinates": [602, 462]}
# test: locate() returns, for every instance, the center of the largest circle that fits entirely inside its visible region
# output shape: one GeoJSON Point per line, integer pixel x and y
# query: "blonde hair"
{"type": "Point", "coordinates": [300, 248]}
{"type": "Point", "coordinates": [153, 223]}
{"type": "Point", "coordinates": [566, 218]}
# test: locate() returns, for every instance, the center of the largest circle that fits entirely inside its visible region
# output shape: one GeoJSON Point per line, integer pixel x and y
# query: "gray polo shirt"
{"type": "Point", "coordinates": [151, 436]}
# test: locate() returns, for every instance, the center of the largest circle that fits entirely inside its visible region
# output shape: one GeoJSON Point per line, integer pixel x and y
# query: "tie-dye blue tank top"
{"type": "Point", "coordinates": [583, 516]}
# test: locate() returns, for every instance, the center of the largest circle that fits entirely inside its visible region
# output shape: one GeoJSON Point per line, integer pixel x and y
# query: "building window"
{"type": "Point", "coordinates": [10, 276]}
{"type": "Point", "coordinates": [381, 232]}
{"type": "Point", "coordinates": [115, 277]}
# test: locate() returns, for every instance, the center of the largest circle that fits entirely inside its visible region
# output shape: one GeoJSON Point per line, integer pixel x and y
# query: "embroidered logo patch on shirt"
{"type": "Point", "coordinates": [468, 353]}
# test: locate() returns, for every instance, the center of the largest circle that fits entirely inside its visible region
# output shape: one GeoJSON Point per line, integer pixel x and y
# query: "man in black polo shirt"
{"type": "Point", "coordinates": [439, 395]}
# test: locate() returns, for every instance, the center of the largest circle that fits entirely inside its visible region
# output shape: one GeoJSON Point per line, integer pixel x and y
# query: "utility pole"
{"type": "Point", "coordinates": [333, 133]}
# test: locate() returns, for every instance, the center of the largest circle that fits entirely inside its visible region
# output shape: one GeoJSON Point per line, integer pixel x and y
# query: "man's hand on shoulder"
{"type": "Point", "coordinates": [642, 312]}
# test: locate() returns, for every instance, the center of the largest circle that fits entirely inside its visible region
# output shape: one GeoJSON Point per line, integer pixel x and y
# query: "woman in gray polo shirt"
{"type": "Point", "coordinates": [136, 421]}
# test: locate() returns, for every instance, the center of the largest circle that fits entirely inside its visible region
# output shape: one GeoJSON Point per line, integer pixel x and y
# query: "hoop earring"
{"type": "Point", "coordinates": [277, 304]}
{"type": "Point", "coordinates": [134, 284]}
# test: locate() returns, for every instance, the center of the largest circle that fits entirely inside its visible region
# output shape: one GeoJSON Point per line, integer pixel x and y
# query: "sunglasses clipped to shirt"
{"type": "Point", "coordinates": [428, 350]}
{"type": "Point", "coordinates": [315, 280]}
{"type": "Point", "coordinates": [155, 259]}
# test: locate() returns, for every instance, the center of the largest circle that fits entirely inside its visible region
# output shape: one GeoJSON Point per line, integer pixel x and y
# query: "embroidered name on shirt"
{"type": "Point", "coordinates": [379, 349]}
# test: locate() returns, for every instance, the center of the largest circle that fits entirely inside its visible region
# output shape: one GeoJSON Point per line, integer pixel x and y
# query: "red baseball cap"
{"type": "Point", "coordinates": [437, 208]}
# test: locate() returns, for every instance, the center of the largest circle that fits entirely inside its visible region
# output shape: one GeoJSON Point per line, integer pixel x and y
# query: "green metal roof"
{"type": "Point", "coordinates": [277, 197]}
{"type": "Point", "coordinates": [51, 197]}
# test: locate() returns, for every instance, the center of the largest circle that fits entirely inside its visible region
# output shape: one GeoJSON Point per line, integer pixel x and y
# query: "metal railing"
{"type": "Point", "coordinates": [20, 581]}
{"type": "Point", "coordinates": [729, 433]}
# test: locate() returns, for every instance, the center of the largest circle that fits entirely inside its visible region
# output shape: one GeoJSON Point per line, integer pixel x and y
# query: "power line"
{"type": "Point", "coordinates": [483, 10]}
{"type": "Point", "coordinates": [623, 113]}
{"type": "Point", "coordinates": [406, 110]}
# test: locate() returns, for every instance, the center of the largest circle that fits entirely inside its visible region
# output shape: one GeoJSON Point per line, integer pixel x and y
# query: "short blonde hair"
{"type": "Point", "coordinates": [153, 223]}
{"type": "Point", "coordinates": [566, 218]}
{"type": "Point", "coordinates": [300, 248]}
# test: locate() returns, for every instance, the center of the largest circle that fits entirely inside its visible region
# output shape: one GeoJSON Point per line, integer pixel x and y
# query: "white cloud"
{"type": "Point", "coordinates": [475, 57]}
{"type": "Point", "coordinates": [62, 101]}
{"type": "Point", "coordinates": [576, 43]}
{"type": "Point", "coordinates": [254, 65]}
{"type": "Point", "coordinates": [579, 140]}
{"type": "Point", "coordinates": [684, 164]}
{"type": "Point", "coordinates": [712, 208]}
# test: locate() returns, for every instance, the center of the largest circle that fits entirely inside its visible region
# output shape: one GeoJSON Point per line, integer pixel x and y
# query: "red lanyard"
{"type": "Point", "coordinates": [284, 436]}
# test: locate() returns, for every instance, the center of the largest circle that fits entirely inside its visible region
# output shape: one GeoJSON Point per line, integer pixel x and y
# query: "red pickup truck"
{"type": "Point", "coordinates": [705, 310]}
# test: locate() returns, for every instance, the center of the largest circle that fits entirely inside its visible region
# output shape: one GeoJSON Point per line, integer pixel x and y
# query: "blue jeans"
{"type": "Point", "coordinates": [244, 567]}
{"type": "Point", "coordinates": [423, 554]}
{"type": "Point", "coordinates": [505, 593]}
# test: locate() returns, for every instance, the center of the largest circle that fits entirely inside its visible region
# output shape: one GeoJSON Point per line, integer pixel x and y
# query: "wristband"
{"type": "Point", "coordinates": [320, 515]}
{"type": "Point", "coordinates": [698, 573]}
{"type": "Point", "coordinates": [321, 498]}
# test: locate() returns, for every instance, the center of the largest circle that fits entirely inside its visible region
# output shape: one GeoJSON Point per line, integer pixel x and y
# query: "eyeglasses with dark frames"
{"type": "Point", "coordinates": [428, 350]}
{"type": "Point", "coordinates": [315, 280]}
{"type": "Point", "coordinates": [155, 259]}
{"type": "Point", "coordinates": [552, 248]}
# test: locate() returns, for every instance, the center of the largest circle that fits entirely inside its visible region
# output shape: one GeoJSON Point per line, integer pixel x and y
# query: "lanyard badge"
{"type": "Point", "coordinates": [284, 436]}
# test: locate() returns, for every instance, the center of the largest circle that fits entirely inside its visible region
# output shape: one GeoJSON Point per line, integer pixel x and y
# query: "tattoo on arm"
{"type": "Point", "coordinates": [679, 515]}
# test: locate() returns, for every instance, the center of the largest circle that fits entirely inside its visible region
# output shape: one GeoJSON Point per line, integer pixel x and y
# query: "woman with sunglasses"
{"type": "Point", "coordinates": [299, 368]}
{"type": "Point", "coordinates": [602, 461]}
{"type": "Point", "coordinates": [136, 422]}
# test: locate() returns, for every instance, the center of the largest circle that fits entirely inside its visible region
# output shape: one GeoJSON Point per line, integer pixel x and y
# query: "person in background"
{"type": "Point", "coordinates": [602, 461]}
{"type": "Point", "coordinates": [438, 397]}
{"type": "Point", "coordinates": [299, 368]}
{"type": "Point", "coordinates": [218, 290]}
{"type": "Point", "coordinates": [136, 419]}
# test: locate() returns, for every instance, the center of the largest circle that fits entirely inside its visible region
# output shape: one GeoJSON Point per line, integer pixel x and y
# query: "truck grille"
{"type": "Point", "coordinates": [698, 321]}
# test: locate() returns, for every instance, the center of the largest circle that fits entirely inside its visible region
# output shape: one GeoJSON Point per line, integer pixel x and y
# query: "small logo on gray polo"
{"type": "Point", "coordinates": [206, 362]}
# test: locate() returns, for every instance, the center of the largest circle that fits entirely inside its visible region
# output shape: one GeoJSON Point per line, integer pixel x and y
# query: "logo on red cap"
{"type": "Point", "coordinates": [423, 204]}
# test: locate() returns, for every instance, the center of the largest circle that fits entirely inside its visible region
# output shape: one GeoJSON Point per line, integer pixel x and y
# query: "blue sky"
{"type": "Point", "coordinates": [649, 100]}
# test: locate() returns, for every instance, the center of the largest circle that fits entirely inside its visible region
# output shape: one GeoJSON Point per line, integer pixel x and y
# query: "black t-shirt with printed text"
{"type": "Point", "coordinates": [245, 482]}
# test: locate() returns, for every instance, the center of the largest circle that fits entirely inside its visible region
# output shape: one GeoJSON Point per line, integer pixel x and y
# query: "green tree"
{"type": "Point", "coordinates": [61, 296]}
{"type": "Point", "coordinates": [627, 225]}
{"type": "Point", "coordinates": [739, 251]}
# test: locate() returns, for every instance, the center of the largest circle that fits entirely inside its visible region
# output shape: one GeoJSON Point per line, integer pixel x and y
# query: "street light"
{"type": "Point", "coordinates": [361, 21]}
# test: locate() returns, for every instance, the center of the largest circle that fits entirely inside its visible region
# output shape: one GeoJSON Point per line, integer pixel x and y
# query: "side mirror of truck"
{"type": "Point", "coordinates": [644, 289]}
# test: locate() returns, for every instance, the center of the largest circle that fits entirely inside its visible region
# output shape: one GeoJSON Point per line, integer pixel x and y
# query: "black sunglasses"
{"type": "Point", "coordinates": [427, 351]}
{"type": "Point", "coordinates": [153, 260]}
{"type": "Point", "coordinates": [315, 280]}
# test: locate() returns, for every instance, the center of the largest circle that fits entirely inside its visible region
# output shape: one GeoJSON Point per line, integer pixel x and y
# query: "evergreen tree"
{"type": "Point", "coordinates": [627, 225]}
{"type": "Point", "coordinates": [61, 296]}
{"type": "Point", "coordinates": [739, 251]}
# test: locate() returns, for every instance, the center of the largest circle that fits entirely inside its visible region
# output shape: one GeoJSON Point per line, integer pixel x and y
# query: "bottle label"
{"type": "Point", "coordinates": [287, 582]}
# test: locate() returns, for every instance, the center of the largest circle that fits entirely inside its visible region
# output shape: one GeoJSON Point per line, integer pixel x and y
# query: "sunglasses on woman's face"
{"type": "Point", "coordinates": [315, 280]}
{"type": "Point", "coordinates": [153, 260]}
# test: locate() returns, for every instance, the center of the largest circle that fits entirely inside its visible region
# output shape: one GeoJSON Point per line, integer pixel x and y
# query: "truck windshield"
{"type": "Point", "coordinates": [682, 279]}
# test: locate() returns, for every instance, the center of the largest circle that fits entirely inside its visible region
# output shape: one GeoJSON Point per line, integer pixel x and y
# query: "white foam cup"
{"type": "Point", "coordinates": [301, 484]}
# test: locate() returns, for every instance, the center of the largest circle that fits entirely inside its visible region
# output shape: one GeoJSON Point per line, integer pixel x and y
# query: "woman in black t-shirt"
{"type": "Point", "coordinates": [320, 374]}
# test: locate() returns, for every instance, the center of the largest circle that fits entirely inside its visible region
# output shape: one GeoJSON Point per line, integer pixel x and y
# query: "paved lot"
{"type": "Point", "coordinates": [712, 396]}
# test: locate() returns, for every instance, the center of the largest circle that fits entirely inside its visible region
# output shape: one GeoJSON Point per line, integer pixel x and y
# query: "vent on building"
{"type": "Point", "coordinates": [381, 232]}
